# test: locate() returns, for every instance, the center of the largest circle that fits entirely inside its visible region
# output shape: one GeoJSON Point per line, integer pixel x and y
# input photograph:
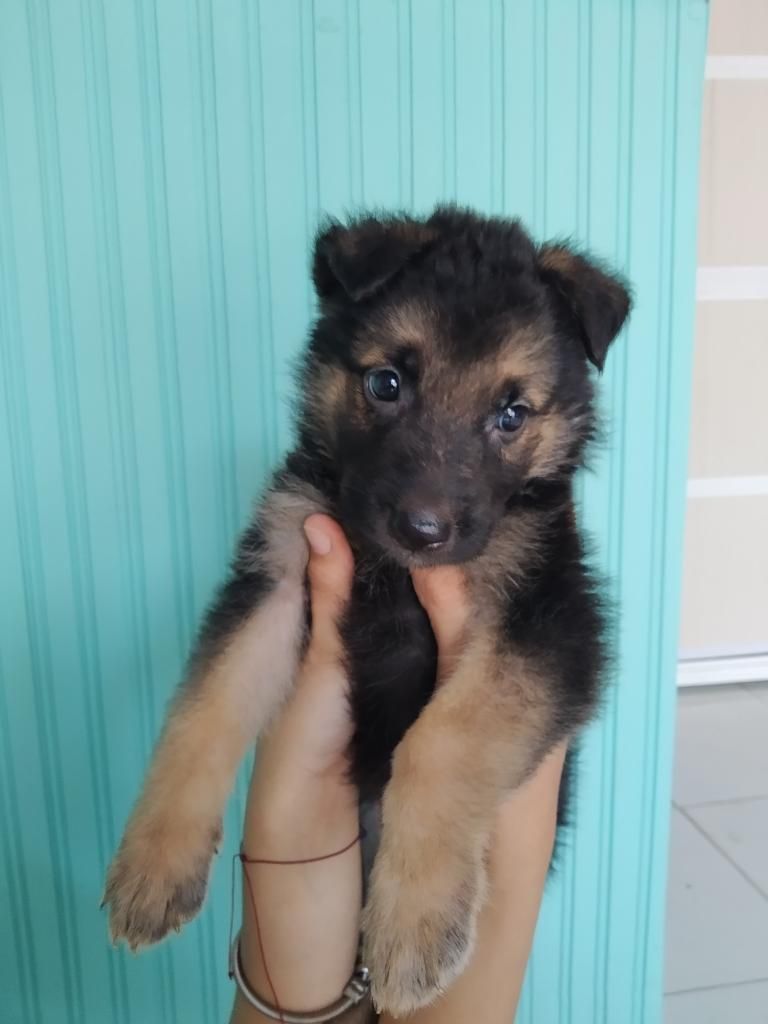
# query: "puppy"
{"type": "Point", "coordinates": [445, 403]}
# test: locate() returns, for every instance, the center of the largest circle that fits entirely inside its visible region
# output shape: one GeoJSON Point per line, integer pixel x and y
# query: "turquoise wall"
{"type": "Point", "coordinates": [162, 167]}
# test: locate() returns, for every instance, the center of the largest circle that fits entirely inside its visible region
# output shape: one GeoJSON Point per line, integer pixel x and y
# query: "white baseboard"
{"type": "Point", "coordinates": [752, 668]}
{"type": "Point", "coordinates": [733, 68]}
{"type": "Point", "coordinates": [732, 283]}
{"type": "Point", "coordinates": [727, 486]}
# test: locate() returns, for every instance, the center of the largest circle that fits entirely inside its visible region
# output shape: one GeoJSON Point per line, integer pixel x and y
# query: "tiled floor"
{"type": "Point", "coordinates": [717, 914]}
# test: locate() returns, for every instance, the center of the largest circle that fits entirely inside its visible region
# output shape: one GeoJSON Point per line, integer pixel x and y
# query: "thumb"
{"type": "Point", "coordinates": [330, 571]}
{"type": "Point", "coordinates": [443, 594]}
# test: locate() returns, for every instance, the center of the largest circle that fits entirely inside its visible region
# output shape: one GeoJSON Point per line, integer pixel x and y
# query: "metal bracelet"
{"type": "Point", "coordinates": [354, 992]}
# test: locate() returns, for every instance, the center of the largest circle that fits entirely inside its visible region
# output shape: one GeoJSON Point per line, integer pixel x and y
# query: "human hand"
{"type": "Point", "coordinates": [300, 784]}
{"type": "Point", "coordinates": [301, 804]}
{"type": "Point", "coordinates": [303, 759]}
{"type": "Point", "coordinates": [442, 592]}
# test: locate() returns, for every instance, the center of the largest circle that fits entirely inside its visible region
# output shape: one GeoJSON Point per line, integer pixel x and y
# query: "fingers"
{"type": "Point", "coordinates": [441, 590]}
{"type": "Point", "coordinates": [442, 593]}
{"type": "Point", "coordinates": [331, 567]}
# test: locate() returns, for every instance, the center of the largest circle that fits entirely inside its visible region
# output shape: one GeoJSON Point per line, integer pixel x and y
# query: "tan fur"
{"type": "Point", "coordinates": [410, 323]}
{"type": "Point", "coordinates": [406, 325]}
{"type": "Point", "coordinates": [525, 360]}
{"type": "Point", "coordinates": [478, 386]}
{"type": "Point", "coordinates": [158, 878]}
{"type": "Point", "coordinates": [558, 258]}
{"type": "Point", "coordinates": [479, 737]}
{"type": "Point", "coordinates": [543, 443]}
{"type": "Point", "coordinates": [326, 400]}
{"type": "Point", "coordinates": [511, 552]}
{"type": "Point", "coordinates": [283, 514]}
{"type": "Point", "coordinates": [552, 438]}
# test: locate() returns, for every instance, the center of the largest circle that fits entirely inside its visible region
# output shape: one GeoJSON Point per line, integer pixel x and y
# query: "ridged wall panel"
{"type": "Point", "coordinates": [163, 166]}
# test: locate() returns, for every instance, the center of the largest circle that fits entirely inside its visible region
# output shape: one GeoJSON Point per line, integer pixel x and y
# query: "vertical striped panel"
{"type": "Point", "coordinates": [162, 169]}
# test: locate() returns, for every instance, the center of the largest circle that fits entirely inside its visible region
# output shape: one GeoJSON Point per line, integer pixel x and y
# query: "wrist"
{"type": "Point", "coordinates": [304, 821]}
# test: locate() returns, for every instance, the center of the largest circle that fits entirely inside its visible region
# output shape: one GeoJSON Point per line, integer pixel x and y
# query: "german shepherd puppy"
{"type": "Point", "coordinates": [445, 403]}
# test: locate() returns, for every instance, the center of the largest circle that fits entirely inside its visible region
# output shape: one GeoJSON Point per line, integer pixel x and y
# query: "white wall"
{"type": "Point", "coordinates": [725, 589]}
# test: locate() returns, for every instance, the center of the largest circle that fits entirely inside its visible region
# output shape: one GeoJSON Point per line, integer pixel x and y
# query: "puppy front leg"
{"type": "Point", "coordinates": [242, 670]}
{"type": "Point", "coordinates": [483, 733]}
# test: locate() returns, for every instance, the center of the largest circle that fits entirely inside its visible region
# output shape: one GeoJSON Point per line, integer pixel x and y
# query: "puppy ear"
{"type": "Point", "coordinates": [355, 262]}
{"type": "Point", "coordinates": [597, 302]}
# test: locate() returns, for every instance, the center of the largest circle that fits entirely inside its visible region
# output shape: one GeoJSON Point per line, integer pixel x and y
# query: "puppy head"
{"type": "Point", "coordinates": [448, 374]}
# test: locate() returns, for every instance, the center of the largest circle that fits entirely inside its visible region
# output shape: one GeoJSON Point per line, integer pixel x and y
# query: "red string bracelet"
{"type": "Point", "coordinates": [357, 987]}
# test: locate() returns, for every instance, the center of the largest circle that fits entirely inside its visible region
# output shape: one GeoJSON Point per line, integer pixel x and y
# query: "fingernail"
{"type": "Point", "coordinates": [319, 542]}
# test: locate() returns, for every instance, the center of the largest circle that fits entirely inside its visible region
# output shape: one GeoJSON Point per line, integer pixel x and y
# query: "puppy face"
{"type": "Point", "coordinates": [447, 378]}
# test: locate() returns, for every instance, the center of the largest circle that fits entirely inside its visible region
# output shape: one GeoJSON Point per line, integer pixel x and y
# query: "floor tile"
{"type": "Point", "coordinates": [717, 924]}
{"type": "Point", "coordinates": [695, 696]}
{"type": "Point", "coordinates": [734, 1004]}
{"type": "Point", "coordinates": [740, 829]}
{"type": "Point", "coordinates": [721, 749]}
{"type": "Point", "coordinates": [759, 690]}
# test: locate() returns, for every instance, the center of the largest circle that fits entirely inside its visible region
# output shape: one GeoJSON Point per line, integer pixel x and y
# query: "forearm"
{"type": "Point", "coordinates": [489, 988]}
{"type": "Point", "coordinates": [308, 914]}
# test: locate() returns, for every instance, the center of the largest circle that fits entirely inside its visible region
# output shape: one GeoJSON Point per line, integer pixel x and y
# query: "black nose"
{"type": "Point", "coordinates": [420, 528]}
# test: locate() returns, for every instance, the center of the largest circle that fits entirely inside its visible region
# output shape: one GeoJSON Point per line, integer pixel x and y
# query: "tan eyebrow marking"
{"type": "Point", "coordinates": [525, 360]}
{"type": "Point", "coordinates": [406, 325]}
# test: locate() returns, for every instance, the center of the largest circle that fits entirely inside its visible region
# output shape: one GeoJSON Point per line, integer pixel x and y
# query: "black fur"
{"type": "Point", "coordinates": [557, 619]}
{"type": "Point", "coordinates": [445, 404]}
{"type": "Point", "coordinates": [482, 279]}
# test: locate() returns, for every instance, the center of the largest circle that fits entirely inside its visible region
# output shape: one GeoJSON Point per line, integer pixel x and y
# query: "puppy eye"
{"type": "Point", "coordinates": [512, 418]}
{"type": "Point", "coordinates": [383, 385]}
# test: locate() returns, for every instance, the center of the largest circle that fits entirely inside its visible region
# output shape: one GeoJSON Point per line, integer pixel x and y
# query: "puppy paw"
{"type": "Point", "coordinates": [158, 880]}
{"type": "Point", "coordinates": [419, 927]}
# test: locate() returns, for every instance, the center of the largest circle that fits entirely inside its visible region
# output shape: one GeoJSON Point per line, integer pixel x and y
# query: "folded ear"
{"type": "Point", "coordinates": [597, 301]}
{"type": "Point", "coordinates": [355, 261]}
